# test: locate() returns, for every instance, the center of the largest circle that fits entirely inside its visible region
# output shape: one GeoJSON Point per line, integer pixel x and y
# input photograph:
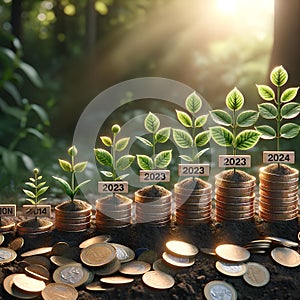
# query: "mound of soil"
{"type": "Point", "coordinates": [153, 191]}
{"type": "Point", "coordinates": [75, 205]}
{"type": "Point", "coordinates": [193, 184]}
{"type": "Point", "coordinates": [279, 169]}
{"type": "Point", "coordinates": [236, 176]}
{"type": "Point", "coordinates": [34, 223]}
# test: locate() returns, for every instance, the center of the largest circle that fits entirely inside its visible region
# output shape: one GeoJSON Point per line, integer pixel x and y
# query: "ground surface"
{"type": "Point", "coordinates": [189, 282]}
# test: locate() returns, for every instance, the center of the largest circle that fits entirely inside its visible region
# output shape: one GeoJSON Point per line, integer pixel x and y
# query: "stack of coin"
{"type": "Point", "coordinates": [153, 210]}
{"type": "Point", "coordinates": [260, 246]}
{"type": "Point", "coordinates": [73, 220]}
{"type": "Point", "coordinates": [232, 253]}
{"type": "Point", "coordinates": [278, 195]}
{"type": "Point", "coordinates": [193, 201]}
{"type": "Point", "coordinates": [113, 212]}
{"type": "Point", "coordinates": [234, 200]}
{"type": "Point", "coordinates": [6, 225]}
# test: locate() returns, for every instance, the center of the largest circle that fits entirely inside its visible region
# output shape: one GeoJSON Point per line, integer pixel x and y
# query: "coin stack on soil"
{"type": "Point", "coordinates": [278, 193]}
{"type": "Point", "coordinates": [153, 205]}
{"type": "Point", "coordinates": [234, 196]}
{"type": "Point", "coordinates": [113, 212]}
{"type": "Point", "coordinates": [193, 198]}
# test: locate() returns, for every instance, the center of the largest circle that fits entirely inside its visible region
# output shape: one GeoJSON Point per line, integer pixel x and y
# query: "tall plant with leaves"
{"type": "Point", "coordinates": [157, 160]}
{"type": "Point", "coordinates": [109, 159]}
{"type": "Point", "coordinates": [242, 140]}
{"type": "Point", "coordinates": [191, 140]}
{"type": "Point", "coordinates": [281, 110]}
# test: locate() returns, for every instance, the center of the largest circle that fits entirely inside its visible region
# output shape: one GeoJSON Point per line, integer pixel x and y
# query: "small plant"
{"type": "Point", "coordinates": [109, 159]}
{"type": "Point", "coordinates": [70, 167]}
{"type": "Point", "coordinates": [185, 139]}
{"type": "Point", "coordinates": [282, 109]}
{"type": "Point", "coordinates": [243, 140]}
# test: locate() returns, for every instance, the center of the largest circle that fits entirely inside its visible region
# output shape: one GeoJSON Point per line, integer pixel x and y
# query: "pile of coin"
{"type": "Point", "coordinates": [154, 210]}
{"type": "Point", "coordinates": [234, 200]}
{"type": "Point", "coordinates": [278, 195]}
{"type": "Point", "coordinates": [193, 204]}
{"type": "Point", "coordinates": [73, 220]}
{"type": "Point", "coordinates": [6, 225]}
{"type": "Point", "coordinates": [113, 212]}
{"type": "Point", "coordinates": [32, 227]}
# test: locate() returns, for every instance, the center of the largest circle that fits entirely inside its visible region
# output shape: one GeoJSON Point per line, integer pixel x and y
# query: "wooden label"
{"type": "Point", "coordinates": [154, 175]}
{"type": "Point", "coordinates": [7, 210]}
{"type": "Point", "coordinates": [37, 210]}
{"type": "Point", "coordinates": [235, 161]}
{"type": "Point", "coordinates": [287, 157]}
{"type": "Point", "coordinates": [193, 169]}
{"type": "Point", "coordinates": [113, 187]}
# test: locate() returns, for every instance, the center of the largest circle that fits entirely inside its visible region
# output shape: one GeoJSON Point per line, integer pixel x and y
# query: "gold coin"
{"type": "Point", "coordinates": [217, 289]}
{"type": "Point", "coordinates": [124, 253]}
{"type": "Point", "coordinates": [286, 256]}
{"type": "Point", "coordinates": [97, 287]}
{"type": "Point", "coordinates": [116, 280]}
{"type": "Point", "coordinates": [74, 274]}
{"type": "Point", "coordinates": [180, 248]}
{"type": "Point", "coordinates": [232, 253]}
{"type": "Point", "coordinates": [11, 289]}
{"type": "Point", "coordinates": [38, 272]}
{"type": "Point", "coordinates": [38, 260]}
{"type": "Point", "coordinates": [37, 251]}
{"type": "Point", "coordinates": [16, 244]}
{"type": "Point", "coordinates": [28, 284]}
{"type": "Point", "coordinates": [135, 267]}
{"type": "Point", "coordinates": [7, 255]}
{"type": "Point", "coordinates": [1, 239]}
{"type": "Point", "coordinates": [109, 268]}
{"type": "Point", "coordinates": [178, 261]}
{"type": "Point", "coordinates": [61, 260]}
{"type": "Point", "coordinates": [158, 280]}
{"type": "Point", "coordinates": [59, 291]}
{"type": "Point", "coordinates": [97, 255]}
{"type": "Point", "coordinates": [256, 275]}
{"type": "Point", "coordinates": [60, 248]}
{"type": "Point", "coordinates": [231, 269]}
{"type": "Point", "coordinates": [282, 241]}
{"type": "Point", "coordinates": [95, 240]}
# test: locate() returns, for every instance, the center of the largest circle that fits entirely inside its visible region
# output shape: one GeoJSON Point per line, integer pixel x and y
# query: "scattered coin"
{"type": "Point", "coordinates": [116, 280]}
{"type": "Point", "coordinates": [95, 240]}
{"type": "Point", "coordinates": [38, 260]}
{"type": "Point", "coordinates": [7, 255]}
{"type": "Point", "coordinates": [286, 256]}
{"type": "Point", "coordinates": [28, 284]}
{"type": "Point", "coordinates": [37, 251]}
{"type": "Point", "coordinates": [148, 256]}
{"type": "Point", "coordinates": [231, 269]}
{"type": "Point", "coordinates": [135, 267]}
{"type": "Point", "coordinates": [38, 272]}
{"type": "Point", "coordinates": [1, 239]}
{"type": "Point", "coordinates": [282, 241]}
{"type": "Point", "coordinates": [256, 275]}
{"type": "Point", "coordinates": [61, 260]}
{"type": "Point", "coordinates": [124, 253]}
{"type": "Point", "coordinates": [60, 248]}
{"type": "Point", "coordinates": [178, 261]}
{"type": "Point", "coordinates": [97, 255]}
{"type": "Point", "coordinates": [16, 244]}
{"type": "Point", "coordinates": [158, 280]}
{"type": "Point", "coordinates": [231, 252]}
{"type": "Point", "coordinates": [208, 251]}
{"type": "Point", "coordinates": [97, 287]}
{"type": "Point", "coordinates": [73, 253]}
{"type": "Point", "coordinates": [218, 289]}
{"type": "Point", "coordinates": [109, 268]}
{"type": "Point", "coordinates": [180, 248]}
{"type": "Point", "coordinates": [59, 291]}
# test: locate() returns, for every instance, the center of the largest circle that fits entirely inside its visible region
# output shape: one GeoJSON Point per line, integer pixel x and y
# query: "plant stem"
{"type": "Point", "coordinates": [113, 153]}
{"type": "Point", "coordinates": [278, 119]}
{"type": "Point", "coordinates": [234, 125]}
{"type": "Point", "coordinates": [153, 149]}
{"type": "Point", "coordinates": [72, 176]}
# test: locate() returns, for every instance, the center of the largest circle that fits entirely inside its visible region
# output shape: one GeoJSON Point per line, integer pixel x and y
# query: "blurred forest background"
{"type": "Point", "coordinates": [57, 55]}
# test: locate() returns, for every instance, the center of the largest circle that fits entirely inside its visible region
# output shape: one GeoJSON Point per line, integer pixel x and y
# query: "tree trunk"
{"type": "Point", "coordinates": [287, 39]}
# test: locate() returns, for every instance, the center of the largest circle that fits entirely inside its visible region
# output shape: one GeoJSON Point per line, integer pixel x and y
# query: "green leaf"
{"type": "Point", "coordinates": [289, 94]}
{"type": "Point", "coordinates": [186, 158]}
{"type": "Point", "coordinates": [267, 132]}
{"type": "Point", "coordinates": [30, 184]}
{"type": "Point", "coordinates": [247, 118]}
{"type": "Point", "coordinates": [182, 138]}
{"type": "Point", "coordinates": [124, 162]}
{"type": "Point", "coordinates": [247, 139]}
{"type": "Point", "coordinates": [163, 159]}
{"type": "Point", "coordinates": [41, 113]}
{"type": "Point", "coordinates": [200, 153]}
{"type": "Point", "coordinates": [27, 160]}
{"type": "Point", "coordinates": [121, 177]}
{"type": "Point", "coordinates": [289, 130]}
{"type": "Point", "coordinates": [40, 200]}
{"type": "Point", "coordinates": [279, 76]}
{"type": "Point", "coordinates": [221, 136]}
{"type": "Point", "coordinates": [202, 138]}
{"type": "Point", "coordinates": [12, 111]}
{"type": "Point", "coordinates": [265, 92]}
{"type": "Point", "coordinates": [290, 110]}
{"type": "Point", "coordinates": [234, 99]}
{"type": "Point", "coordinates": [103, 157]}
{"type": "Point", "coordinates": [144, 162]}
{"type": "Point", "coordinates": [221, 117]}
{"type": "Point", "coordinates": [184, 118]}
{"type": "Point", "coordinates": [267, 110]}
{"type": "Point", "coordinates": [121, 144]}
{"type": "Point", "coordinates": [10, 161]}
{"type": "Point", "coordinates": [29, 193]}
{"type": "Point", "coordinates": [80, 167]}
{"type": "Point", "coordinates": [151, 123]}
{"type": "Point", "coordinates": [35, 132]}
{"type": "Point", "coordinates": [106, 140]}
{"type": "Point", "coordinates": [42, 191]}
{"type": "Point", "coordinates": [79, 186]}
{"type": "Point", "coordinates": [193, 103]}
{"type": "Point", "coordinates": [66, 186]}
{"type": "Point", "coordinates": [65, 165]}
{"type": "Point", "coordinates": [144, 141]}
{"type": "Point", "coordinates": [201, 120]}
{"type": "Point", "coordinates": [162, 135]}
{"type": "Point", "coordinates": [41, 184]}
{"type": "Point", "coordinates": [107, 174]}
{"type": "Point", "coordinates": [72, 151]}
{"type": "Point", "coordinates": [31, 73]}
{"type": "Point", "coordinates": [12, 90]}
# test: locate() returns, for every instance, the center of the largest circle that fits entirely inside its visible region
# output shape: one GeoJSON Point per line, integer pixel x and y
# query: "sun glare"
{"type": "Point", "coordinates": [227, 6]}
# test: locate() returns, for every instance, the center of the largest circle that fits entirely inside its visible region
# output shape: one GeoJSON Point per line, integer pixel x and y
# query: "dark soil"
{"type": "Point", "coordinates": [35, 223]}
{"type": "Point", "coordinates": [115, 199]}
{"type": "Point", "coordinates": [236, 176]}
{"type": "Point", "coordinates": [153, 191]}
{"type": "Point", "coordinates": [75, 205]}
{"type": "Point", "coordinates": [193, 184]}
{"type": "Point", "coordinates": [279, 169]}
{"type": "Point", "coordinates": [189, 282]}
